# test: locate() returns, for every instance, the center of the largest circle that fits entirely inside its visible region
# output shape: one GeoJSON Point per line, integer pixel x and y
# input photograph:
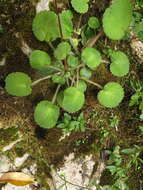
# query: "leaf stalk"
{"type": "Point", "coordinates": [59, 21]}
{"type": "Point", "coordinates": [42, 79]}
{"type": "Point", "coordinates": [91, 82]}
{"type": "Point", "coordinates": [56, 93]}
{"type": "Point", "coordinates": [92, 41]}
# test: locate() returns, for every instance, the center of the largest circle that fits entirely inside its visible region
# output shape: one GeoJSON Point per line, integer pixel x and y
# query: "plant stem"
{"type": "Point", "coordinates": [81, 65]}
{"type": "Point", "coordinates": [65, 183]}
{"type": "Point", "coordinates": [79, 22]}
{"type": "Point", "coordinates": [61, 33]}
{"type": "Point", "coordinates": [59, 22]}
{"type": "Point", "coordinates": [72, 81]}
{"type": "Point", "coordinates": [65, 64]}
{"type": "Point", "coordinates": [77, 77]}
{"type": "Point", "coordinates": [78, 67]}
{"type": "Point", "coordinates": [105, 61]}
{"type": "Point", "coordinates": [55, 68]}
{"type": "Point", "coordinates": [81, 187]}
{"type": "Point", "coordinates": [41, 79]}
{"type": "Point", "coordinates": [67, 80]}
{"type": "Point", "coordinates": [91, 82]}
{"type": "Point", "coordinates": [56, 93]}
{"type": "Point", "coordinates": [92, 41]}
{"type": "Point", "coordinates": [51, 46]}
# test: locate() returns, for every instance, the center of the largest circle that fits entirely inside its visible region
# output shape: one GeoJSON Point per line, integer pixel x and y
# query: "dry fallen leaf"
{"type": "Point", "coordinates": [16, 178]}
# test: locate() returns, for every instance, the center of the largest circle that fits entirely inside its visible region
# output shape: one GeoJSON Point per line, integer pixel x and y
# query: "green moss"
{"type": "Point", "coordinates": [8, 135]}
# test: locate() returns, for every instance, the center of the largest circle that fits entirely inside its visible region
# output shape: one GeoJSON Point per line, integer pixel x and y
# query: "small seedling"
{"type": "Point", "coordinates": [137, 97]}
{"type": "Point", "coordinates": [69, 124]}
{"type": "Point", "coordinates": [114, 121]}
{"type": "Point", "coordinates": [119, 169]}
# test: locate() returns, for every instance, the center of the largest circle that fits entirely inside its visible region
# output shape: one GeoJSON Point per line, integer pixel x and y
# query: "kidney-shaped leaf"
{"type": "Point", "coordinates": [85, 73]}
{"type": "Point", "coordinates": [81, 6]}
{"type": "Point", "coordinates": [71, 99]}
{"type": "Point", "coordinates": [39, 59]}
{"type": "Point", "coordinates": [93, 22]}
{"type": "Point", "coordinates": [111, 95]}
{"type": "Point", "coordinates": [91, 57]}
{"type": "Point", "coordinates": [72, 61]}
{"type": "Point", "coordinates": [117, 18]}
{"type": "Point", "coordinates": [62, 50]}
{"type": "Point", "coordinates": [120, 64]}
{"type": "Point", "coordinates": [18, 84]}
{"type": "Point", "coordinates": [46, 114]}
{"type": "Point", "coordinates": [45, 26]}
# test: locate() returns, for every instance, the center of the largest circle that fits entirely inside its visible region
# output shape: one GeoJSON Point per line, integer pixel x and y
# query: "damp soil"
{"type": "Point", "coordinates": [16, 114]}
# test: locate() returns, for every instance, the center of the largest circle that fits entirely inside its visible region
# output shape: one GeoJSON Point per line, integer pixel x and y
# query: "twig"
{"type": "Point", "coordinates": [56, 93]}
{"type": "Point", "coordinates": [95, 179]}
{"type": "Point", "coordinates": [91, 82]}
{"type": "Point", "coordinates": [92, 41]}
{"type": "Point", "coordinates": [41, 79]}
{"type": "Point", "coordinates": [65, 183]}
{"type": "Point", "coordinates": [72, 183]}
{"type": "Point", "coordinates": [51, 184]}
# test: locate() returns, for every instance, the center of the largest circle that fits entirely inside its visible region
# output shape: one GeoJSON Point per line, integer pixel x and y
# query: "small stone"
{"type": "Point", "coordinates": [5, 164]}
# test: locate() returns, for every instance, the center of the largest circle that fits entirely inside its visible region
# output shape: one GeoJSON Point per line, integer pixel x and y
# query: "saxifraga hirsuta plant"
{"type": "Point", "coordinates": [71, 66]}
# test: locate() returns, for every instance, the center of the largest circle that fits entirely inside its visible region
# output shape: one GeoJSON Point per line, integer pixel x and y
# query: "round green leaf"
{"type": "Point", "coordinates": [72, 61]}
{"type": "Point", "coordinates": [81, 6]}
{"type": "Point", "coordinates": [18, 84]}
{"type": "Point", "coordinates": [46, 114]}
{"type": "Point", "coordinates": [93, 22]}
{"type": "Point", "coordinates": [91, 57]}
{"type": "Point", "coordinates": [62, 50]}
{"type": "Point", "coordinates": [82, 86]}
{"type": "Point", "coordinates": [85, 73]}
{"type": "Point", "coordinates": [39, 60]}
{"type": "Point", "coordinates": [117, 19]}
{"type": "Point", "coordinates": [111, 95]}
{"type": "Point", "coordinates": [71, 100]}
{"type": "Point", "coordinates": [120, 64]}
{"type": "Point", "coordinates": [45, 26]}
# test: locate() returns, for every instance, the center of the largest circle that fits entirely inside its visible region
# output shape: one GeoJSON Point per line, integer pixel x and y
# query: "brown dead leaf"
{"type": "Point", "coordinates": [16, 178]}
